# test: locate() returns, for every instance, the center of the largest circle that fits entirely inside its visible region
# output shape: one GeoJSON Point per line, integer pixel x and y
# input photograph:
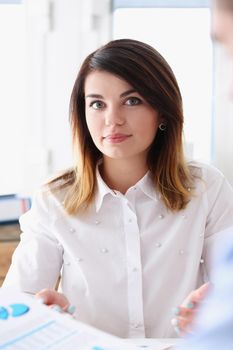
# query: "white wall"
{"type": "Point", "coordinates": [12, 96]}
{"type": "Point", "coordinates": [60, 34]}
{"type": "Point", "coordinates": [223, 118]}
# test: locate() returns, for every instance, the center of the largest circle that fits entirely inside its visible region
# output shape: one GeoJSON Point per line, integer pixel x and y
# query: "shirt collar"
{"type": "Point", "coordinates": [145, 184]}
{"type": "Point", "coordinates": [102, 190]}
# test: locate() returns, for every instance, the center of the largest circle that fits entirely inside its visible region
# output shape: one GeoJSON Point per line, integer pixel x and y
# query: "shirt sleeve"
{"type": "Point", "coordinates": [37, 260]}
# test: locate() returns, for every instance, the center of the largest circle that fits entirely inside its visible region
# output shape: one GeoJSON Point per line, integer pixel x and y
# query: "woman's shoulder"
{"type": "Point", "coordinates": [55, 189]}
{"type": "Point", "coordinates": [205, 171]}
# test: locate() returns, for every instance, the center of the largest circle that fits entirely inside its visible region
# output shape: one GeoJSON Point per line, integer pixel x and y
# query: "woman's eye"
{"type": "Point", "coordinates": [133, 101]}
{"type": "Point", "coordinates": [97, 104]}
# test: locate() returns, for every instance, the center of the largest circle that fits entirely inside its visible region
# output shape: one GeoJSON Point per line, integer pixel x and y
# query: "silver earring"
{"type": "Point", "coordinates": [162, 126]}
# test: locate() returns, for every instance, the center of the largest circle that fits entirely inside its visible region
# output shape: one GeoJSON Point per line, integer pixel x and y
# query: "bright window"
{"type": "Point", "coordinates": [12, 95]}
{"type": "Point", "coordinates": [182, 36]}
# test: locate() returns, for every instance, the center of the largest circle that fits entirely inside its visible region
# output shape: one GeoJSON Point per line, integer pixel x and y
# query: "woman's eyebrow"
{"type": "Point", "coordinates": [128, 92]}
{"type": "Point", "coordinates": [125, 93]}
{"type": "Point", "coordinates": [94, 96]}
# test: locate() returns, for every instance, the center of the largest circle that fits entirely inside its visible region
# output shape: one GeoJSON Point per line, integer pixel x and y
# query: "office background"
{"type": "Point", "coordinates": [43, 43]}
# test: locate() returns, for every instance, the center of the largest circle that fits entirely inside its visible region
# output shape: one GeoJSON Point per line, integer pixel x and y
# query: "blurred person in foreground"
{"type": "Point", "coordinates": [213, 328]}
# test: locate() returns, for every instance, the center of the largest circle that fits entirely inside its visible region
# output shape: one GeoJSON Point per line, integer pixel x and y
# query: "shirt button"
{"type": "Point", "coordinates": [202, 261]}
{"type": "Point", "coordinates": [97, 222]}
{"type": "Point", "coordinates": [72, 230]}
{"type": "Point", "coordinates": [104, 250]}
{"type": "Point", "coordinates": [181, 251]}
{"type": "Point", "coordinates": [158, 245]}
{"type": "Point", "coordinates": [161, 216]}
{"type": "Point", "coordinates": [136, 325]}
{"type": "Point", "coordinates": [135, 269]}
{"type": "Point", "coordinates": [67, 263]}
{"type": "Point", "coordinates": [79, 259]}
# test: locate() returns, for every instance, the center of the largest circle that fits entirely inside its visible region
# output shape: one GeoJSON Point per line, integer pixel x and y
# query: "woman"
{"type": "Point", "coordinates": [131, 226]}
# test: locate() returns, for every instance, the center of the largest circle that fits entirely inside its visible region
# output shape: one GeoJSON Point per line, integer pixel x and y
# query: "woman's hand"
{"type": "Point", "coordinates": [185, 314]}
{"type": "Point", "coordinates": [55, 300]}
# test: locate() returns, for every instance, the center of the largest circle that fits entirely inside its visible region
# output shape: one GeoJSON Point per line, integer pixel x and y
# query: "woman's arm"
{"type": "Point", "coordinates": [37, 261]}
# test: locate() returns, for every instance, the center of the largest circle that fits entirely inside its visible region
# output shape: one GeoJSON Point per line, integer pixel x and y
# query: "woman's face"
{"type": "Point", "coordinates": [121, 123]}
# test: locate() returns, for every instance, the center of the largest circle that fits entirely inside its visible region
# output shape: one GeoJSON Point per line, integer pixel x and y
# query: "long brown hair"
{"type": "Point", "coordinates": [150, 75]}
{"type": "Point", "coordinates": [226, 4]}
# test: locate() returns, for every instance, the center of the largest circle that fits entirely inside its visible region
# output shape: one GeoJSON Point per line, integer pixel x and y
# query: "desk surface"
{"type": "Point", "coordinates": [153, 344]}
{"type": "Point", "coordinates": [9, 232]}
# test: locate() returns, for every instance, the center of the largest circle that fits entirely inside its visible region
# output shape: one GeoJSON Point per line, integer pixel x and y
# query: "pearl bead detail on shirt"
{"type": "Point", "coordinates": [136, 325]}
{"type": "Point", "coordinates": [104, 250]}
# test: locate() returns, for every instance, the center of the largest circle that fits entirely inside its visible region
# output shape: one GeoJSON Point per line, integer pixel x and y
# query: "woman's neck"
{"type": "Point", "coordinates": [120, 174]}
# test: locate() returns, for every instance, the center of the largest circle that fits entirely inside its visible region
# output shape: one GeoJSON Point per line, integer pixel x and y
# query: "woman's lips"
{"type": "Point", "coordinates": [116, 138]}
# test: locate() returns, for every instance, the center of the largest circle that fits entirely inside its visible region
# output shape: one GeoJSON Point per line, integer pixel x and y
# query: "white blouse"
{"type": "Point", "coordinates": [127, 260]}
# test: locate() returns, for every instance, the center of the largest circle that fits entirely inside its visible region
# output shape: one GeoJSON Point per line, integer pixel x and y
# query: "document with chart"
{"type": "Point", "coordinates": [26, 324]}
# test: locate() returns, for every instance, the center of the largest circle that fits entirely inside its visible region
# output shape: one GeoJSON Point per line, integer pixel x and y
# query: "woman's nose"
{"type": "Point", "coordinates": [113, 117]}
